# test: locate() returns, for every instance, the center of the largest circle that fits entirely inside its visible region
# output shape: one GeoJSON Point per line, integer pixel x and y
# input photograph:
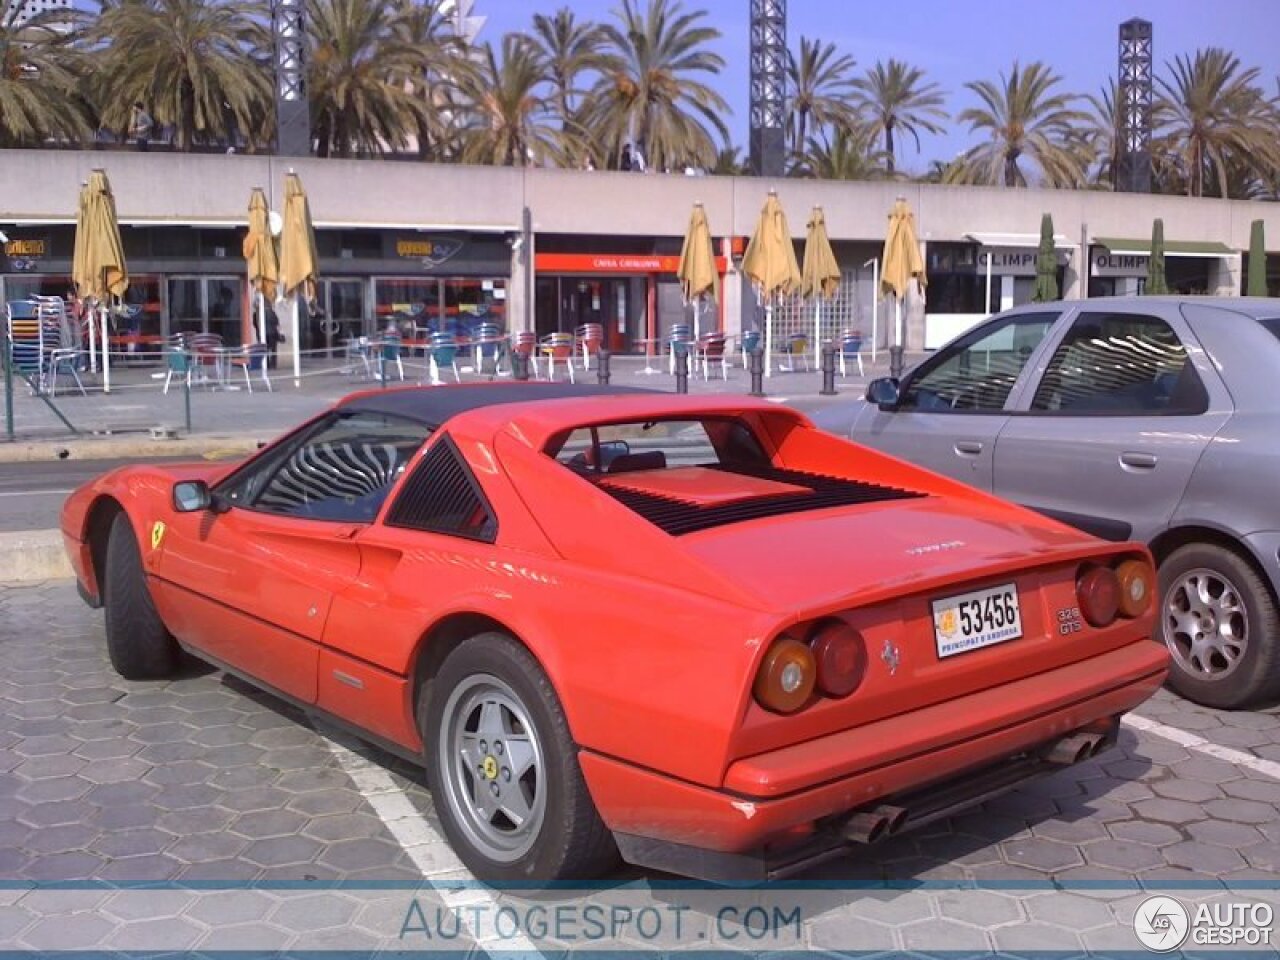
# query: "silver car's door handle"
{"type": "Point", "coordinates": [968, 448]}
{"type": "Point", "coordinates": [1143, 461]}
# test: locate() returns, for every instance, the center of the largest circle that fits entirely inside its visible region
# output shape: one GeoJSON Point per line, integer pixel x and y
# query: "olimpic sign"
{"type": "Point", "coordinates": [1104, 263]}
{"type": "Point", "coordinates": [1011, 261]}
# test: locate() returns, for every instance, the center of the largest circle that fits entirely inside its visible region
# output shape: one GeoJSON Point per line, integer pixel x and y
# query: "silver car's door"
{"type": "Point", "coordinates": [1109, 429]}
{"type": "Point", "coordinates": [952, 407]}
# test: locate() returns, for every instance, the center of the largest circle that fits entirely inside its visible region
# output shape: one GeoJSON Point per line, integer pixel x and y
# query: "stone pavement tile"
{"type": "Point", "coordinates": [1202, 857]}
{"type": "Point", "coordinates": [282, 851]}
{"type": "Point", "coordinates": [130, 905]}
{"type": "Point", "coordinates": [328, 802]}
{"type": "Point", "coordinates": [978, 908]}
{"type": "Point", "coordinates": [202, 847]}
{"type": "Point", "coordinates": [316, 911]}
{"type": "Point", "coordinates": [1040, 854]}
{"type": "Point", "coordinates": [249, 937]}
{"type": "Point", "coordinates": [224, 870]}
{"type": "Point", "coordinates": [1263, 791]}
{"type": "Point", "coordinates": [1192, 791]}
{"type": "Point", "coordinates": [52, 790]}
{"type": "Point", "coordinates": [1078, 830]}
{"type": "Point", "coordinates": [1224, 833]}
{"type": "Point", "coordinates": [958, 939]}
{"type": "Point", "coordinates": [225, 907]}
{"type": "Point", "coordinates": [1035, 937]}
{"type": "Point", "coordinates": [79, 931]}
{"type": "Point", "coordinates": [131, 843]}
{"type": "Point", "coordinates": [1122, 854]}
{"type": "Point", "coordinates": [1208, 769]}
{"type": "Point", "coordinates": [1070, 910]}
{"type": "Point", "coordinates": [1140, 831]}
{"type": "Point", "coordinates": [155, 866]}
{"type": "Point", "coordinates": [261, 824]}
{"type": "Point", "coordinates": [1264, 856]}
{"type": "Point", "coordinates": [62, 839]}
{"type": "Point", "coordinates": [172, 933]}
{"type": "Point", "coordinates": [1241, 811]}
{"type": "Point", "coordinates": [73, 865]}
{"type": "Point", "coordinates": [13, 920]}
{"type": "Point", "coordinates": [845, 931]}
{"type": "Point", "coordinates": [355, 854]}
{"type": "Point", "coordinates": [1169, 811]}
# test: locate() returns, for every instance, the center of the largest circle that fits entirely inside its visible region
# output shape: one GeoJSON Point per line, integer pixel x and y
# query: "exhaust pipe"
{"type": "Point", "coordinates": [1074, 749]}
{"type": "Point", "coordinates": [868, 826]}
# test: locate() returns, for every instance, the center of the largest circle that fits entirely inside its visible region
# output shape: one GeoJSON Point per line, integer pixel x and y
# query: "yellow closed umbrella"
{"type": "Point", "coordinates": [103, 271]}
{"type": "Point", "coordinates": [78, 281]}
{"type": "Point", "coordinates": [260, 257]}
{"type": "Point", "coordinates": [697, 269]}
{"type": "Point", "coordinates": [902, 261]}
{"type": "Point", "coordinates": [298, 260]}
{"type": "Point", "coordinates": [770, 265]}
{"type": "Point", "coordinates": [820, 276]}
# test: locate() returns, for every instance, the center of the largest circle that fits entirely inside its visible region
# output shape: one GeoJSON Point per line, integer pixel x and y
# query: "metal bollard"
{"type": "Point", "coordinates": [186, 401]}
{"type": "Point", "coordinates": [602, 368]}
{"type": "Point", "coordinates": [519, 366]}
{"type": "Point", "coordinates": [755, 367]}
{"type": "Point", "coordinates": [895, 362]}
{"type": "Point", "coordinates": [828, 371]}
{"type": "Point", "coordinates": [682, 370]}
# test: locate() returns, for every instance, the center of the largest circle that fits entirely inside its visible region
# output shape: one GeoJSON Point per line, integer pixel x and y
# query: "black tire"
{"type": "Point", "coordinates": [571, 841]}
{"type": "Point", "coordinates": [1240, 599]}
{"type": "Point", "coordinates": [138, 644]}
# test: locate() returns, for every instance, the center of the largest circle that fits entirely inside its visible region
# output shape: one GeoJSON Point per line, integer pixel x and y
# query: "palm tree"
{"type": "Point", "coordinates": [729, 162]}
{"type": "Point", "coordinates": [1023, 116]}
{"type": "Point", "coordinates": [192, 62]}
{"type": "Point", "coordinates": [820, 90]}
{"type": "Point", "coordinates": [893, 97]}
{"type": "Point", "coordinates": [568, 48]}
{"type": "Point", "coordinates": [510, 120]}
{"type": "Point", "coordinates": [849, 156]}
{"type": "Point", "coordinates": [441, 70]}
{"type": "Point", "coordinates": [1214, 113]}
{"type": "Point", "coordinates": [38, 80]}
{"type": "Point", "coordinates": [649, 89]}
{"type": "Point", "coordinates": [361, 100]}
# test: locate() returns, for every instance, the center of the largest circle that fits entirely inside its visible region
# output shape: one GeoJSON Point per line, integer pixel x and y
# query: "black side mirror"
{"type": "Point", "coordinates": [192, 496]}
{"type": "Point", "coordinates": [883, 392]}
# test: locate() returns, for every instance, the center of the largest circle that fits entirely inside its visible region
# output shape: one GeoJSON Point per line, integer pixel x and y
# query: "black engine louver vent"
{"type": "Point", "coordinates": [677, 517]}
{"type": "Point", "coordinates": [442, 496]}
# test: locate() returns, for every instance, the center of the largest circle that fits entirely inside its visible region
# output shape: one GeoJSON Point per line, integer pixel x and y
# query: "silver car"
{"type": "Point", "coordinates": [1154, 419]}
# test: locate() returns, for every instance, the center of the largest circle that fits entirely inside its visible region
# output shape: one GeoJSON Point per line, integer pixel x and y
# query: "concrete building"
{"type": "Point", "coordinates": [436, 246]}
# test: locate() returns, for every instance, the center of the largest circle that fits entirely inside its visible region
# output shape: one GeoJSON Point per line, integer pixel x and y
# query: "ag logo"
{"type": "Point", "coordinates": [157, 534]}
{"type": "Point", "coordinates": [1161, 924]}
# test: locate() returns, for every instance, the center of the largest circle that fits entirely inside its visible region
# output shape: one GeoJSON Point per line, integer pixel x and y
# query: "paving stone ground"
{"type": "Point", "coordinates": [205, 782]}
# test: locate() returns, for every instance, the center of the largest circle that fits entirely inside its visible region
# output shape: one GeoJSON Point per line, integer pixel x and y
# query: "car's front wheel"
{"type": "Point", "coordinates": [139, 645]}
{"type": "Point", "coordinates": [503, 769]}
{"type": "Point", "coordinates": [1221, 626]}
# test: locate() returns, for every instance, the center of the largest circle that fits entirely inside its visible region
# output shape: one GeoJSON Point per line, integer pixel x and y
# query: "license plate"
{"type": "Point", "coordinates": [969, 621]}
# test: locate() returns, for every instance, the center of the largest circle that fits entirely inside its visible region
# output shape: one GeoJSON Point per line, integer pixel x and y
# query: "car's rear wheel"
{"type": "Point", "coordinates": [139, 645]}
{"type": "Point", "coordinates": [503, 768]}
{"type": "Point", "coordinates": [1221, 626]}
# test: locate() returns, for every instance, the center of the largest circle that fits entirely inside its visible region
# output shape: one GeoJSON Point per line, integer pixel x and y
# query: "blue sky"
{"type": "Point", "coordinates": [956, 41]}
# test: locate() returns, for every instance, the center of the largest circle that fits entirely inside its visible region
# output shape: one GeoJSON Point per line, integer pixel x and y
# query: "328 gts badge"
{"type": "Point", "coordinates": [1069, 621]}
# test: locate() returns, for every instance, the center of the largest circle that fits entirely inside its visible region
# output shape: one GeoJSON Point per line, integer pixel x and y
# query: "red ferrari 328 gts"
{"type": "Point", "coordinates": [696, 632]}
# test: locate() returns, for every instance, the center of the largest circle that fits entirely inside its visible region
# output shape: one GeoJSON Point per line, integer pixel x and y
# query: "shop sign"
{"type": "Point", "coordinates": [430, 251]}
{"type": "Point", "coordinates": [24, 254]}
{"type": "Point", "coordinates": [1104, 263]}
{"type": "Point", "coordinates": [1011, 261]}
{"type": "Point", "coordinates": [610, 263]}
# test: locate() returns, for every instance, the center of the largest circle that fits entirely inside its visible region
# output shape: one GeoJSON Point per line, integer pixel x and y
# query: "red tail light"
{"type": "Point", "coordinates": [841, 656]}
{"type": "Point", "coordinates": [1098, 593]}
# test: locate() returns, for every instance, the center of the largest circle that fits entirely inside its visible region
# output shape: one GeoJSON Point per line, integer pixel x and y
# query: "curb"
{"type": "Point", "coordinates": [215, 447]}
{"type": "Point", "coordinates": [29, 555]}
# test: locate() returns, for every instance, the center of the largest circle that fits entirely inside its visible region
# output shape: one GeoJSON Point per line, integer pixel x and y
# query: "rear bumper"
{"type": "Point", "coordinates": [786, 794]}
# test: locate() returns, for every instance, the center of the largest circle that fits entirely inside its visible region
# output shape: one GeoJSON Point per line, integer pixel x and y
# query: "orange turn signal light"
{"type": "Point", "coordinates": [786, 677]}
{"type": "Point", "coordinates": [1137, 584]}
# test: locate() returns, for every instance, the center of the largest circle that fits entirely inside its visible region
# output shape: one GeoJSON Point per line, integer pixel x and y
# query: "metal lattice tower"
{"type": "Point", "coordinates": [293, 113]}
{"type": "Point", "coordinates": [768, 87]}
{"type": "Point", "coordinates": [1133, 93]}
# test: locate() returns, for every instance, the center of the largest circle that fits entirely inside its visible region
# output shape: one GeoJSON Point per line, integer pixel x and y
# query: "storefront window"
{"type": "Point", "coordinates": [224, 298]}
{"type": "Point", "coordinates": [186, 305]}
{"type": "Point", "coordinates": [954, 282]}
{"type": "Point", "coordinates": [411, 303]}
{"type": "Point", "coordinates": [142, 307]}
{"type": "Point", "coordinates": [470, 302]}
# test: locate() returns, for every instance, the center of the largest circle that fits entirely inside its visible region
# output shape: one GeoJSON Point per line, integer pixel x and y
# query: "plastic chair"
{"type": "Point", "coordinates": [204, 349]}
{"type": "Point", "coordinates": [850, 347]}
{"type": "Point", "coordinates": [389, 353]}
{"type": "Point", "coordinates": [26, 343]}
{"type": "Point", "coordinates": [488, 337]}
{"type": "Point", "coordinates": [797, 345]}
{"type": "Point", "coordinates": [711, 349]}
{"type": "Point", "coordinates": [558, 346]}
{"type": "Point", "coordinates": [63, 359]}
{"type": "Point", "coordinates": [589, 338]}
{"type": "Point", "coordinates": [524, 343]}
{"type": "Point", "coordinates": [252, 356]}
{"type": "Point", "coordinates": [749, 341]}
{"type": "Point", "coordinates": [177, 359]}
{"type": "Point", "coordinates": [679, 340]}
{"type": "Point", "coordinates": [443, 352]}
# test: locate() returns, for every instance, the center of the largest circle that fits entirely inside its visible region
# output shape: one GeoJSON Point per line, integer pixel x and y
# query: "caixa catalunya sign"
{"type": "Point", "coordinates": [609, 263]}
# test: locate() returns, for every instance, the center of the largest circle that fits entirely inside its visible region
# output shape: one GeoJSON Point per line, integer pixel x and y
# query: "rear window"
{"type": "Point", "coordinates": [659, 444]}
{"type": "Point", "coordinates": [1272, 324]}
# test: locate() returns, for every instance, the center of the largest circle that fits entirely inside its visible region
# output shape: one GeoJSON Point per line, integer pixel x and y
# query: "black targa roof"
{"type": "Point", "coordinates": [433, 406]}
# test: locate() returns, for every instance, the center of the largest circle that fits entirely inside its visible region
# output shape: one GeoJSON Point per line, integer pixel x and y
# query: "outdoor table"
{"type": "Point", "coordinates": [649, 369]}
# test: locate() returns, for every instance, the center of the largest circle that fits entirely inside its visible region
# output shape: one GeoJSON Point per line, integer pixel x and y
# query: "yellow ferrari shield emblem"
{"type": "Point", "coordinates": [157, 534]}
{"type": "Point", "coordinates": [490, 768]}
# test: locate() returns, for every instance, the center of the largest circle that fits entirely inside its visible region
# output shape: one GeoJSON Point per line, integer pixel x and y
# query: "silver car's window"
{"type": "Point", "coordinates": [977, 372]}
{"type": "Point", "coordinates": [1120, 364]}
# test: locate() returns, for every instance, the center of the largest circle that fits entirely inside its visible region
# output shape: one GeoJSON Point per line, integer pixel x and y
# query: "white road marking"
{"type": "Point", "coordinates": [34, 493]}
{"type": "Point", "coordinates": [428, 850]}
{"type": "Point", "coordinates": [1191, 741]}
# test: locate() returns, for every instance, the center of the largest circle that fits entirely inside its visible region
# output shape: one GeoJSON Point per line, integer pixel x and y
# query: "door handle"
{"type": "Point", "coordinates": [1142, 461]}
{"type": "Point", "coordinates": [968, 448]}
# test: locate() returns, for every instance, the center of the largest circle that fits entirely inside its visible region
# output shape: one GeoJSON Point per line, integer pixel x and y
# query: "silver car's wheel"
{"type": "Point", "coordinates": [494, 771]}
{"type": "Point", "coordinates": [1206, 623]}
{"type": "Point", "coordinates": [1219, 620]}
